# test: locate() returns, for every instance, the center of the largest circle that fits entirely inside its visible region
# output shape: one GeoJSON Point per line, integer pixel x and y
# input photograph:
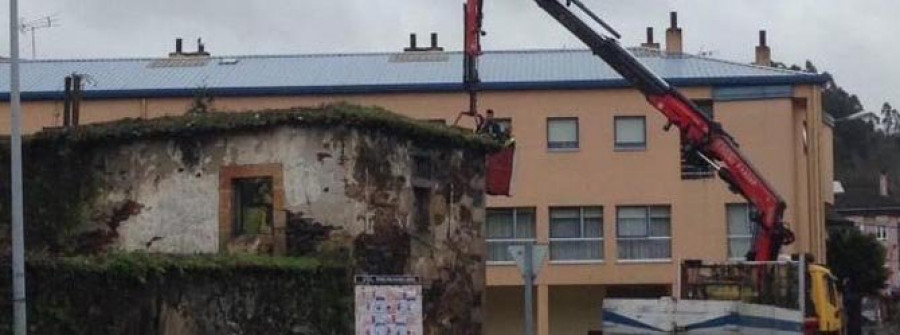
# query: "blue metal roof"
{"type": "Point", "coordinates": [373, 73]}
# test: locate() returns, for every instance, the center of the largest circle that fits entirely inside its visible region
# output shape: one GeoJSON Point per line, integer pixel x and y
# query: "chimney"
{"type": "Point", "coordinates": [434, 43]}
{"type": "Point", "coordinates": [673, 35]}
{"type": "Point", "coordinates": [201, 48]}
{"type": "Point", "coordinates": [650, 44]}
{"type": "Point", "coordinates": [763, 53]}
{"type": "Point", "coordinates": [883, 184]}
{"type": "Point", "coordinates": [412, 43]}
{"type": "Point", "coordinates": [178, 50]}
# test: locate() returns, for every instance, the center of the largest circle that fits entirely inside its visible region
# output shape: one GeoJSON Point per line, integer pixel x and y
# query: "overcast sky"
{"type": "Point", "coordinates": [854, 40]}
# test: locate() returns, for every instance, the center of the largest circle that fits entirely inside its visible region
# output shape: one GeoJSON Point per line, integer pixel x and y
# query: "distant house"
{"type": "Point", "coordinates": [871, 209]}
{"type": "Point", "coordinates": [869, 117]}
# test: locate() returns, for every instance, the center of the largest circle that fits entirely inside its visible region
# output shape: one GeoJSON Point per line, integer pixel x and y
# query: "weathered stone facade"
{"type": "Point", "coordinates": [399, 206]}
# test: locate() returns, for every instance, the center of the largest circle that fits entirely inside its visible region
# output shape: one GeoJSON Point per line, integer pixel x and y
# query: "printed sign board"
{"type": "Point", "coordinates": [388, 305]}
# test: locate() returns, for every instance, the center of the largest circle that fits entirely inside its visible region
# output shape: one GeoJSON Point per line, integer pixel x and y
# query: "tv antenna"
{"type": "Point", "coordinates": [37, 24]}
{"type": "Point", "coordinates": [704, 52]}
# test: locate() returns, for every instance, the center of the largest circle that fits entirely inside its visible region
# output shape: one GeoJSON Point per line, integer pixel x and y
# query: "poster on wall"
{"type": "Point", "coordinates": [388, 305]}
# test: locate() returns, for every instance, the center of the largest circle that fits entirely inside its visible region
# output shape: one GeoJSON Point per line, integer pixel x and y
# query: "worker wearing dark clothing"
{"type": "Point", "coordinates": [489, 126]}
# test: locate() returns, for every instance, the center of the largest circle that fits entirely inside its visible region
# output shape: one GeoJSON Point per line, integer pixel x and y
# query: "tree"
{"type": "Point", "coordinates": [811, 68]}
{"type": "Point", "coordinates": [890, 118]}
{"type": "Point", "coordinates": [857, 259]}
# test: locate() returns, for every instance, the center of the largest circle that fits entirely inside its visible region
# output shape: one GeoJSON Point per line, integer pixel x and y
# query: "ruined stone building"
{"type": "Point", "coordinates": [388, 194]}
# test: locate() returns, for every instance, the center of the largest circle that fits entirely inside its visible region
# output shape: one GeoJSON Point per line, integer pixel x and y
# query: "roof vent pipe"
{"type": "Point", "coordinates": [763, 52]}
{"type": "Point", "coordinates": [434, 43]}
{"type": "Point", "coordinates": [412, 43]}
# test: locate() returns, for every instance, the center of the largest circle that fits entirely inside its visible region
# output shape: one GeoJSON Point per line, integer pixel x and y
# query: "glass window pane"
{"type": "Point", "coordinates": [499, 223]}
{"type": "Point", "coordinates": [660, 227]}
{"type": "Point", "coordinates": [593, 212]}
{"type": "Point", "coordinates": [645, 249]}
{"type": "Point", "coordinates": [525, 223]}
{"type": "Point", "coordinates": [565, 228]}
{"type": "Point", "coordinates": [497, 251]}
{"type": "Point", "coordinates": [738, 247]}
{"type": "Point", "coordinates": [564, 213]}
{"type": "Point", "coordinates": [630, 130]}
{"type": "Point", "coordinates": [562, 130]}
{"type": "Point", "coordinates": [576, 250]}
{"type": "Point", "coordinates": [632, 222]}
{"type": "Point", "coordinates": [738, 220]}
{"type": "Point", "coordinates": [593, 227]}
{"type": "Point", "coordinates": [632, 212]}
{"type": "Point", "coordinates": [565, 222]}
{"type": "Point", "coordinates": [660, 211]}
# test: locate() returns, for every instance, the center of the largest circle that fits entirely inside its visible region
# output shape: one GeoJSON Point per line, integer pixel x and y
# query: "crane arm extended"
{"type": "Point", "coordinates": [698, 132]}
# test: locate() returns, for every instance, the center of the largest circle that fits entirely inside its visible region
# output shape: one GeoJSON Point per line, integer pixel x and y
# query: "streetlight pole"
{"type": "Point", "coordinates": [18, 236]}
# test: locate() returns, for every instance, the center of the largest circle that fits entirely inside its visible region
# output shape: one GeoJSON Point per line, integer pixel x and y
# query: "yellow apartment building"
{"type": "Point", "coordinates": [596, 178]}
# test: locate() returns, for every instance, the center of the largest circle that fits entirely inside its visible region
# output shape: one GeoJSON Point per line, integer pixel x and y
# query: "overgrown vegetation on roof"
{"type": "Point", "coordinates": [374, 119]}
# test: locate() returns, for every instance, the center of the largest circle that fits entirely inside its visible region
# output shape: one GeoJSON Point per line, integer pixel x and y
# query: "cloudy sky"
{"type": "Point", "coordinates": [854, 40]}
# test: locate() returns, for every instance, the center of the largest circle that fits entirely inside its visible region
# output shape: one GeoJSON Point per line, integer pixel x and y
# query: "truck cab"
{"type": "Point", "coordinates": [826, 299]}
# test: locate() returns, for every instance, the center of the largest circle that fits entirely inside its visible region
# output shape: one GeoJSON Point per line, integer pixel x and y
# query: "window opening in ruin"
{"type": "Point", "coordinates": [253, 208]}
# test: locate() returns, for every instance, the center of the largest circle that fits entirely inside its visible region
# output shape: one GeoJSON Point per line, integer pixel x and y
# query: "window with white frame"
{"type": "Point", "coordinates": [506, 227]}
{"type": "Point", "coordinates": [740, 230]}
{"type": "Point", "coordinates": [644, 232]}
{"type": "Point", "coordinates": [576, 233]}
{"type": "Point", "coordinates": [630, 132]}
{"type": "Point", "coordinates": [562, 133]}
{"type": "Point", "coordinates": [881, 232]}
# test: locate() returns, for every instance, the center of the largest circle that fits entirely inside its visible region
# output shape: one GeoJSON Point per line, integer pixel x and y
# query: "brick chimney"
{"type": "Point", "coordinates": [883, 184]}
{"type": "Point", "coordinates": [763, 53]}
{"type": "Point", "coordinates": [673, 35]}
{"type": "Point", "coordinates": [650, 44]}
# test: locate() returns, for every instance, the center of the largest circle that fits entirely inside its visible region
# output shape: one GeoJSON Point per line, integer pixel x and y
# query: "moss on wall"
{"type": "Point", "coordinates": [370, 119]}
{"type": "Point", "coordinates": [155, 294]}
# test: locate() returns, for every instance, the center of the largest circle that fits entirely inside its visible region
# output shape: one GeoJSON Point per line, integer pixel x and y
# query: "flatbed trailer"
{"type": "Point", "coordinates": [795, 298]}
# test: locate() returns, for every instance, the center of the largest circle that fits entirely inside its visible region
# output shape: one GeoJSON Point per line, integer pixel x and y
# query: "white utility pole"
{"type": "Point", "coordinates": [18, 236]}
{"type": "Point", "coordinates": [530, 258]}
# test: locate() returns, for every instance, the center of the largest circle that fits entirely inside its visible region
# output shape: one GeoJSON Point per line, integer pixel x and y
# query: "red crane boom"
{"type": "Point", "coordinates": [700, 135]}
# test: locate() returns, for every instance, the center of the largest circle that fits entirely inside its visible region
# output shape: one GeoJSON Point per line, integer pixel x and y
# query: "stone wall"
{"type": "Point", "coordinates": [146, 294]}
{"type": "Point", "coordinates": [395, 206]}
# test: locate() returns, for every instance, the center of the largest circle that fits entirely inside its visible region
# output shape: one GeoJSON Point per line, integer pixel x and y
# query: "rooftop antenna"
{"type": "Point", "coordinates": [37, 24]}
{"type": "Point", "coordinates": [704, 52]}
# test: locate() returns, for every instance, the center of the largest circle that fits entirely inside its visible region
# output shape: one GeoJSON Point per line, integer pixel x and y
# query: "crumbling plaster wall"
{"type": "Point", "coordinates": [365, 184]}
